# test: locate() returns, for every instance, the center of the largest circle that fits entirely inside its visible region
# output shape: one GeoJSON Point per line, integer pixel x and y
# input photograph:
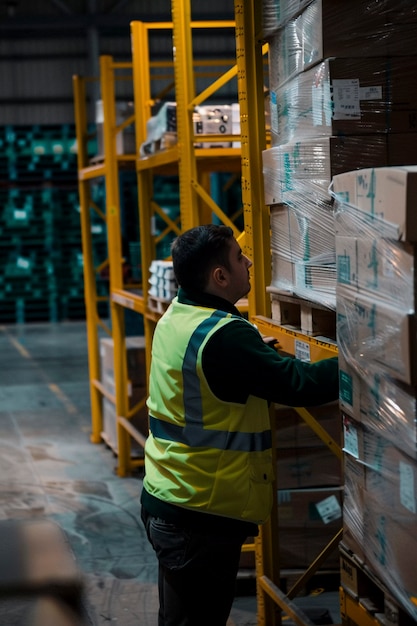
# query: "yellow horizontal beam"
{"type": "Point", "coordinates": [196, 24]}
{"type": "Point", "coordinates": [128, 300]}
{"type": "Point", "coordinates": [92, 171]}
{"type": "Point", "coordinates": [292, 342]}
{"type": "Point", "coordinates": [159, 159]}
{"type": "Point", "coordinates": [354, 612]}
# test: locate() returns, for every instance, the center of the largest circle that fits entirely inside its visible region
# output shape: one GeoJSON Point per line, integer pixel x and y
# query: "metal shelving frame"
{"type": "Point", "coordinates": [108, 168]}
{"type": "Point", "coordinates": [192, 165]}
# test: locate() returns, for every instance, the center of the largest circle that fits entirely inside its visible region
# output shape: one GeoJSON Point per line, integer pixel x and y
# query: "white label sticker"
{"type": "Point", "coordinates": [329, 509]}
{"type": "Point", "coordinates": [346, 99]}
{"type": "Point", "coordinates": [274, 112]}
{"type": "Point", "coordinates": [302, 350]}
{"type": "Point", "coordinates": [351, 441]}
{"type": "Point", "coordinates": [370, 93]}
{"type": "Point", "coordinates": [407, 487]}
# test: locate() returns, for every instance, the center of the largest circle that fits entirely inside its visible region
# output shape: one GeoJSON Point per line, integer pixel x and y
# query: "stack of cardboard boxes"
{"type": "Point", "coordinates": [340, 98]}
{"type": "Point", "coordinates": [340, 101]}
{"type": "Point", "coordinates": [136, 391]}
{"type": "Point", "coordinates": [375, 247]}
{"type": "Point", "coordinates": [309, 478]}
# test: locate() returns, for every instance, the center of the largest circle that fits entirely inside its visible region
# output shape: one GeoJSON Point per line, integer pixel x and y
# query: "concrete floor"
{"type": "Point", "coordinates": [50, 470]}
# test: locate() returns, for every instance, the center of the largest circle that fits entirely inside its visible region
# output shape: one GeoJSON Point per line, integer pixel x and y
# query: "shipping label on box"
{"type": "Point", "coordinates": [309, 508]}
{"type": "Point", "coordinates": [347, 96]}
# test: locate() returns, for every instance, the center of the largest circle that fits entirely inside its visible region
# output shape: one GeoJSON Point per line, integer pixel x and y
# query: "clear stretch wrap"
{"type": "Point", "coordinates": [346, 96]}
{"type": "Point", "coordinates": [380, 510]}
{"type": "Point", "coordinates": [302, 33]}
{"type": "Point", "coordinates": [303, 262]}
{"type": "Point", "coordinates": [375, 273]}
{"type": "Point", "coordinates": [298, 174]}
{"type": "Point", "coordinates": [375, 234]}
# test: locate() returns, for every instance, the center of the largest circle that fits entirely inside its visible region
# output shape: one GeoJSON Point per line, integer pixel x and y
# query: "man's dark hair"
{"type": "Point", "coordinates": [197, 251]}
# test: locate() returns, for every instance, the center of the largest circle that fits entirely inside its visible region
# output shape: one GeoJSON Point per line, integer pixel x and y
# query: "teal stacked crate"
{"type": "Point", "coordinates": [39, 219]}
{"type": "Point", "coordinates": [27, 276]}
{"type": "Point", "coordinates": [69, 265]}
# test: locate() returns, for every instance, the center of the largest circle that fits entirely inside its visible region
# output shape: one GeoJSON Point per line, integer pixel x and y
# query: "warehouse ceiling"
{"type": "Point", "coordinates": [44, 43]}
{"type": "Point", "coordinates": [18, 18]}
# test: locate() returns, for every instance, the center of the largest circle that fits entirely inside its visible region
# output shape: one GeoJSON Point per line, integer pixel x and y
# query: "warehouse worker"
{"type": "Point", "coordinates": [208, 470]}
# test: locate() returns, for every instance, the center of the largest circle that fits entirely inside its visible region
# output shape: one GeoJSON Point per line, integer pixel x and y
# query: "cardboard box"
{"type": "Point", "coordinates": [139, 421]}
{"type": "Point", "coordinates": [300, 172]}
{"type": "Point", "coordinates": [347, 96]}
{"type": "Point", "coordinates": [353, 509]}
{"type": "Point", "coordinates": [390, 548]}
{"type": "Point", "coordinates": [308, 467]}
{"type": "Point", "coordinates": [293, 432]}
{"type": "Point", "coordinates": [135, 360]}
{"type": "Point", "coordinates": [282, 275]}
{"type": "Point", "coordinates": [298, 548]}
{"type": "Point", "coordinates": [276, 12]}
{"type": "Point", "coordinates": [384, 406]}
{"type": "Point", "coordinates": [349, 374]}
{"type": "Point", "coordinates": [378, 334]}
{"type": "Point", "coordinates": [333, 28]}
{"type": "Point", "coordinates": [125, 139]}
{"type": "Point", "coordinates": [303, 258]}
{"type": "Point", "coordinates": [377, 267]}
{"type": "Point", "coordinates": [303, 235]}
{"type": "Point", "coordinates": [310, 508]}
{"type": "Point", "coordinates": [383, 193]}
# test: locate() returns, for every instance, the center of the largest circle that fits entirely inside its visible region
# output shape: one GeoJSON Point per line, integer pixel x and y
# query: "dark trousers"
{"type": "Point", "coordinates": [197, 573]}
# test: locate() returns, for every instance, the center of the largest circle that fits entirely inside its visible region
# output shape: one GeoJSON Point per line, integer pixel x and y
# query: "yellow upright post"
{"type": "Point", "coordinates": [185, 92]}
{"type": "Point", "coordinates": [257, 239]}
{"type": "Point", "coordinates": [252, 123]}
{"type": "Point", "coordinates": [114, 244]}
{"type": "Point", "coordinates": [90, 289]}
{"type": "Point", "coordinates": [143, 112]}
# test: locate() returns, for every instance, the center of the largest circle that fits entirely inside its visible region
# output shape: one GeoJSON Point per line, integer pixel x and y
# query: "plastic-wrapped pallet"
{"type": "Point", "coordinates": [163, 285]}
{"type": "Point", "coordinates": [216, 120]}
{"type": "Point", "coordinates": [376, 237]}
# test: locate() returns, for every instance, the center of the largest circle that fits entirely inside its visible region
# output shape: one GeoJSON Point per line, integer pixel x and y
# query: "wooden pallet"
{"type": "Point", "coordinates": [158, 305]}
{"type": "Point", "coordinates": [306, 316]}
{"type": "Point", "coordinates": [365, 600]}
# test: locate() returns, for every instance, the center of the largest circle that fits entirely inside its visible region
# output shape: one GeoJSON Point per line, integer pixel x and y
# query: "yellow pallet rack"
{"type": "Point", "coordinates": [108, 169]}
{"type": "Point", "coordinates": [192, 165]}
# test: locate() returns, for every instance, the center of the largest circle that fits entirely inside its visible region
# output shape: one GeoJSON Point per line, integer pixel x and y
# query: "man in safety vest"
{"type": "Point", "coordinates": [208, 458]}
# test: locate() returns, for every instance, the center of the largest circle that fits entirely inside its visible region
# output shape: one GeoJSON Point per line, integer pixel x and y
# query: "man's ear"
{"type": "Point", "coordinates": [219, 276]}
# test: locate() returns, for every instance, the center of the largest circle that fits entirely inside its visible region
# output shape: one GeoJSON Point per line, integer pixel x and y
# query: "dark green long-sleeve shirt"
{"type": "Point", "coordinates": [237, 363]}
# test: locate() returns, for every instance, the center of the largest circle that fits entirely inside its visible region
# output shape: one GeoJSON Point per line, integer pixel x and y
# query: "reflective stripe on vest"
{"type": "Point", "coordinates": [193, 433]}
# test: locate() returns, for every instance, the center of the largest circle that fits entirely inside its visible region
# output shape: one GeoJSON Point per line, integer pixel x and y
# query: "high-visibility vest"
{"type": "Point", "coordinates": [203, 453]}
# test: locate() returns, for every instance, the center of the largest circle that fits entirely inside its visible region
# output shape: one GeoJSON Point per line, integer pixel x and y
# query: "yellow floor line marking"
{"type": "Point", "coordinates": [21, 349]}
{"type": "Point", "coordinates": [55, 389]}
{"type": "Point", "coordinates": [63, 398]}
